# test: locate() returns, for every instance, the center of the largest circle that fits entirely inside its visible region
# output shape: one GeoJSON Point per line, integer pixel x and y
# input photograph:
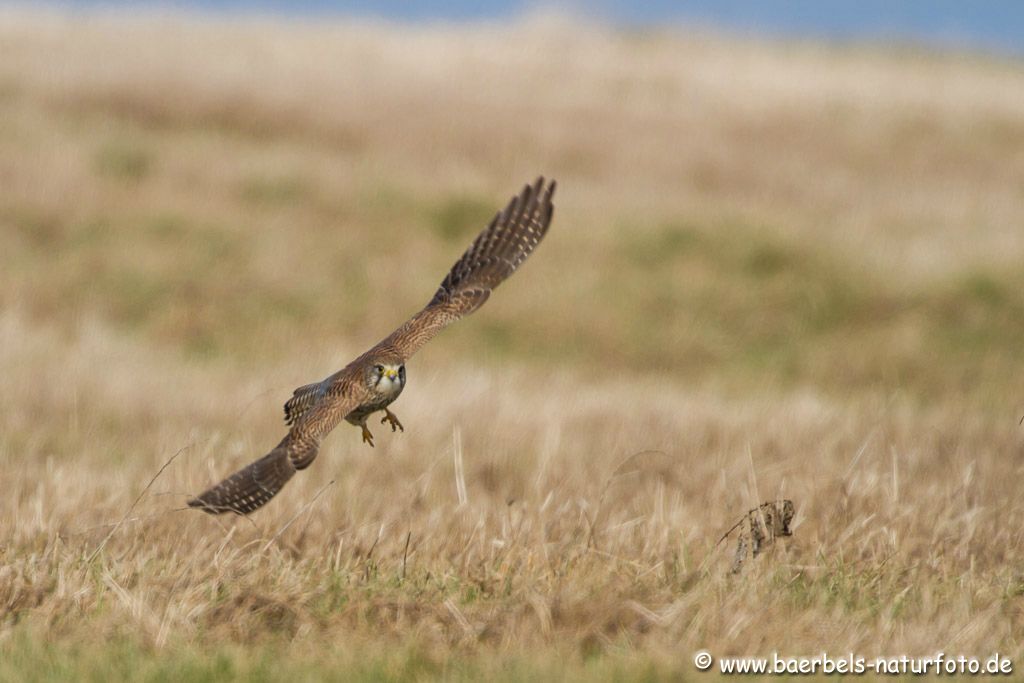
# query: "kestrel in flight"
{"type": "Point", "coordinates": [374, 380]}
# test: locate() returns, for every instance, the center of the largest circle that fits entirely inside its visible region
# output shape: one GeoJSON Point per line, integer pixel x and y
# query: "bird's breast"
{"type": "Point", "coordinates": [389, 389]}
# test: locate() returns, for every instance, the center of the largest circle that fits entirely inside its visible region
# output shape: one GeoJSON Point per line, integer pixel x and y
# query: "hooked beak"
{"type": "Point", "coordinates": [391, 373]}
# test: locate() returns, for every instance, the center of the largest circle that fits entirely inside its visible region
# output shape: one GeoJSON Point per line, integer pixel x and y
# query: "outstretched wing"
{"type": "Point", "coordinates": [495, 254]}
{"type": "Point", "coordinates": [251, 487]}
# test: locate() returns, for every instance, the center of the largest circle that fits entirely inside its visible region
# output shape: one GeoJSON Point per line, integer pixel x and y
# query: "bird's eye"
{"type": "Point", "coordinates": [379, 368]}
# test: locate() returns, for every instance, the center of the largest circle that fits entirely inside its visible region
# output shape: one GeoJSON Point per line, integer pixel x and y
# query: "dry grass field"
{"type": "Point", "coordinates": [775, 270]}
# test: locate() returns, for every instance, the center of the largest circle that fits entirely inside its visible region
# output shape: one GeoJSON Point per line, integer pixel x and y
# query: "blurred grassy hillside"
{"type": "Point", "coordinates": [776, 270]}
{"type": "Point", "coordinates": [736, 213]}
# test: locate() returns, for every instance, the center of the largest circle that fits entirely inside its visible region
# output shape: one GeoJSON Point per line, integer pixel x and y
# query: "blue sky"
{"type": "Point", "coordinates": [991, 25]}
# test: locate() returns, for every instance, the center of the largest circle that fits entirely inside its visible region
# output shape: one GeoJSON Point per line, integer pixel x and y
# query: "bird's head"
{"type": "Point", "coordinates": [386, 376]}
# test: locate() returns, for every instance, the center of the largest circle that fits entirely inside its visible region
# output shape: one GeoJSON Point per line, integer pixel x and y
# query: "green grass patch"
{"type": "Point", "coordinates": [458, 219]}
{"type": "Point", "coordinates": [278, 190]}
{"type": "Point", "coordinates": [35, 658]}
{"type": "Point", "coordinates": [739, 301]}
{"type": "Point", "coordinates": [124, 160]}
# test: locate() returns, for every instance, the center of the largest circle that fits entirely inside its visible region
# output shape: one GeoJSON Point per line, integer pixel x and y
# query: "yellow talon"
{"type": "Point", "coordinates": [393, 419]}
{"type": "Point", "coordinates": [367, 436]}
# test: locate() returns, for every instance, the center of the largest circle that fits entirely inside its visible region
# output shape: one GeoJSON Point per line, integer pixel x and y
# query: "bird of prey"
{"type": "Point", "coordinates": [373, 380]}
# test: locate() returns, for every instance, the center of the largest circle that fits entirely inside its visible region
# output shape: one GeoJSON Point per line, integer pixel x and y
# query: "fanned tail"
{"type": "Point", "coordinates": [250, 487]}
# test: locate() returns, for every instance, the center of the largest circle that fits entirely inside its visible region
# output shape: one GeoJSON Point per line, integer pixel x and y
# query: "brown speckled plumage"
{"type": "Point", "coordinates": [315, 409]}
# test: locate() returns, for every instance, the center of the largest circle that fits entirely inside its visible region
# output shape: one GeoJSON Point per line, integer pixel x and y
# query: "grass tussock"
{"type": "Point", "coordinates": [775, 271]}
